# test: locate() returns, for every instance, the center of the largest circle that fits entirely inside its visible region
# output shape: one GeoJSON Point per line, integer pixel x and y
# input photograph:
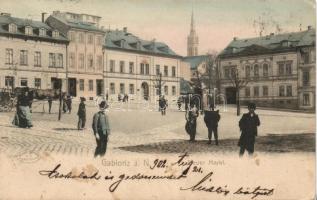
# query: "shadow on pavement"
{"type": "Point", "coordinates": [272, 143]}
{"type": "Point", "coordinates": [65, 129]}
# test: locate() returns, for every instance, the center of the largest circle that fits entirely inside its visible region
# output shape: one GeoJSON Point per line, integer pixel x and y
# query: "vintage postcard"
{"type": "Point", "coordinates": [147, 99]}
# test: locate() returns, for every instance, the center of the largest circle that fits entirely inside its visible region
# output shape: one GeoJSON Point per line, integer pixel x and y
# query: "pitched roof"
{"type": "Point", "coordinates": [119, 39]}
{"type": "Point", "coordinates": [73, 23]}
{"type": "Point", "coordinates": [270, 43]}
{"type": "Point", "coordinates": [21, 23]}
{"type": "Point", "coordinates": [195, 61]}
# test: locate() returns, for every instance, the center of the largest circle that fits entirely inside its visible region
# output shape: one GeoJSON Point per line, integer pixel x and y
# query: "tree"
{"type": "Point", "coordinates": [238, 83]}
{"type": "Point", "coordinates": [159, 83]}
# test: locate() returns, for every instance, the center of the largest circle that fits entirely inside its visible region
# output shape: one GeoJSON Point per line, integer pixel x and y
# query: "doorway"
{"type": "Point", "coordinates": [145, 90]}
{"type": "Point", "coordinates": [72, 87]}
{"type": "Point", "coordinates": [99, 87]}
{"type": "Point", "coordinates": [231, 95]}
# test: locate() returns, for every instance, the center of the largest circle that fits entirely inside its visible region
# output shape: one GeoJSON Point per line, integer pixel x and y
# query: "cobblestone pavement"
{"type": "Point", "coordinates": [129, 128]}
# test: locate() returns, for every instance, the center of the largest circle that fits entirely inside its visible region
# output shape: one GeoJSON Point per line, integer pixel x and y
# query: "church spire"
{"type": "Point", "coordinates": [192, 39]}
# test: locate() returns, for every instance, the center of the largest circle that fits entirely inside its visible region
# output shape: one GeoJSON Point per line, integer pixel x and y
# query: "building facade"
{"type": "Point", "coordinates": [273, 71]}
{"type": "Point", "coordinates": [136, 67]}
{"type": "Point", "coordinates": [32, 54]}
{"type": "Point", "coordinates": [84, 53]}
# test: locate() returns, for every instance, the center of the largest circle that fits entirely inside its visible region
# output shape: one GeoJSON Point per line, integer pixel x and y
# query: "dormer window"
{"type": "Point", "coordinates": [55, 34]}
{"type": "Point", "coordinates": [285, 43]}
{"type": "Point", "coordinates": [28, 30]}
{"type": "Point", "coordinates": [42, 32]}
{"type": "Point", "coordinates": [12, 28]}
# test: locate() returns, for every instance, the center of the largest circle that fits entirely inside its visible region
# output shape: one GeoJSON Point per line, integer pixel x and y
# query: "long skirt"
{"type": "Point", "coordinates": [23, 117]}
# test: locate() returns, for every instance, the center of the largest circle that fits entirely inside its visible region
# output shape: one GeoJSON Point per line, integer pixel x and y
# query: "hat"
{"type": "Point", "coordinates": [251, 106]}
{"type": "Point", "coordinates": [103, 105]}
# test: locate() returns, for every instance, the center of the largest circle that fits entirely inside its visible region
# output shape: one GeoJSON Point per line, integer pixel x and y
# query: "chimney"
{"type": "Point", "coordinates": [235, 38]}
{"type": "Point", "coordinates": [125, 29]}
{"type": "Point", "coordinates": [6, 14]}
{"type": "Point", "coordinates": [309, 27]}
{"type": "Point", "coordinates": [43, 16]}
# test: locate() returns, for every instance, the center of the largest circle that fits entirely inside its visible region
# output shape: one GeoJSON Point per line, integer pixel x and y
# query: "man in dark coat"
{"type": "Point", "coordinates": [101, 128]}
{"type": "Point", "coordinates": [248, 126]}
{"type": "Point", "coordinates": [50, 101]}
{"type": "Point", "coordinates": [69, 103]}
{"type": "Point", "coordinates": [163, 105]}
{"type": "Point", "coordinates": [211, 119]}
{"type": "Point", "coordinates": [81, 114]}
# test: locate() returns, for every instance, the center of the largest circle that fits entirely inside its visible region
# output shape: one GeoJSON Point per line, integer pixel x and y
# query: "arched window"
{"type": "Point", "coordinates": [256, 70]}
{"type": "Point", "coordinates": [265, 69]}
{"type": "Point", "coordinates": [247, 71]}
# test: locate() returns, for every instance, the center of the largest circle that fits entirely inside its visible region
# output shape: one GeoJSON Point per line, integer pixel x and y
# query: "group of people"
{"type": "Point", "coordinates": [248, 126]}
{"type": "Point", "coordinates": [123, 97]}
{"type": "Point", "coordinates": [162, 105]}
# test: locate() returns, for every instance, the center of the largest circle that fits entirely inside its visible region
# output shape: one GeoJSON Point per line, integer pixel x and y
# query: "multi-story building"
{"type": "Point", "coordinates": [84, 52]}
{"type": "Point", "coordinates": [32, 54]}
{"type": "Point", "coordinates": [133, 66]}
{"type": "Point", "coordinates": [274, 70]}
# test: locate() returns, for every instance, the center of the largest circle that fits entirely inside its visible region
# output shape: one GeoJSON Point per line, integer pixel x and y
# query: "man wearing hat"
{"type": "Point", "coordinates": [248, 126]}
{"type": "Point", "coordinates": [81, 114]}
{"type": "Point", "coordinates": [101, 129]}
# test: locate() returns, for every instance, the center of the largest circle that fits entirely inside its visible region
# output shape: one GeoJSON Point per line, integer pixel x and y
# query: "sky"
{"type": "Point", "coordinates": [217, 22]}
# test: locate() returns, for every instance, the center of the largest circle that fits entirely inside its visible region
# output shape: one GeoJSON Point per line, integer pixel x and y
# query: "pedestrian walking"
{"type": "Point", "coordinates": [23, 117]}
{"type": "Point", "coordinates": [163, 105]}
{"type": "Point", "coordinates": [248, 126]}
{"type": "Point", "coordinates": [81, 114]}
{"type": "Point", "coordinates": [179, 102]}
{"type": "Point", "coordinates": [69, 103]}
{"type": "Point", "coordinates": [191, 122]}
{"type": "Point", "coordinates": [211, 119]}
{"type": "Point", "coordinates": [50, 101]}
{"type": "Point", "coordinates": [101, 128]}
{"type": "Point", "coordinates": [65, 109]}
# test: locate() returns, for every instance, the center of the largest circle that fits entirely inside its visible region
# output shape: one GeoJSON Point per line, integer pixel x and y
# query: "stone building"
{"type": "Point", "coordinates": [276, 70]}
{"type": "Point", "coordinates": [84, 52]}
{"type": "Point", "coordinates": [31, 54]}
{"type": "Point", "coordinates": [133, 66]}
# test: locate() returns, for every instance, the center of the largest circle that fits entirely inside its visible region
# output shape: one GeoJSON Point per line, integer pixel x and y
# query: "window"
{"type": "Point", "coordinates": [256, 70]}
{"type": "Point", "coordinates": [72, 36]}
{"type": "Point", "coordinates": [90, 39]}
{"type": "Point", "coordinates": [247, 71]}
{"type": "Point", "coordinates": [147, 69]}
{"type": "Point", "coordinates": [305, 57]}
{"type": "Point", "coordinates": [90, 61]}
{"type": "Point", "coordinates": [289, 90]}
{"type": "Point", "coordinates": [24, 82]}
{"type": "Point", "coordinates": [131, 89]}
{"type": "Point", "coordinates": [157, 69]}
{"type": "Point", "coordinates": [99, 63]}
{"type": "Point", "coordinates": [9, 81]}
{"type": "Point", "coordinates": [306, 78]}
{"type": "Point", "coordinates": [122, 90]}
{"type": "Point", "coordinates": [173, 90]}
{"type": "Point", "coordinates": [112, 66]}
{"type": "Point", "coordinates": [37, 83]}
{"type": "Point", "coordinates": [91, 85]}
{"type": "Point", "coordinates": [37, 59]}
{"type": "Point", "coordinates": [42, 32]}
{"type": "Point", "coordinates": [55, 34]}
{"type": "Point", "coordinates": [227, 73]}
{"type": "Point", "coordinates": [281, 91]}
{"type": "Point", "coordinates": [142, 68]}
{"type": "Point", "coordinates": [121, 66]}
{"type": "Point", "coordinates": [72, 60]}
{"type": "Point", "coordinates": [52, 61]}
{"type": "Point", "coordinates": [131, 67]}
{"type": "Point", "coordinates": [256, 91]}
{"type": "Point", "coordinates": [99, 40]}
{"type": "Point", "coordinates": [288, 69]}
{"type": "Point", "coordinates": [81, 61]}
{"type": "Point", "coordinates": [265, 70]}
{"type": "Point", "coordinates": [112, 88]}
{"type": "Point", "coordinates": [247, 91]}
{"type": "Point", "coordinates": [165, 70]}
{"type": "Point", "coordinates": [81, 37]}
{"type": "Point", "coordinates": [59, 62]}
{"type": "Point", "coordinates": [12, 28]}
{"type": "Point", "coordinates": [23, 57]}
{"type": "Point", "coordinates": [28, 30]}
{"type": "Point", "coordinates": [173, 71]}
{"type": "Point", "coordinates": [81, 84]}
{"type": "Point", "coordinates": [9, 56]}
{"type": "Point", "coordinates": [281, 69]}
{"type": "Point", "coordinates": [306, 99]}
{"type": "Point", "coordinates": [166, 90]}
{"type": "Point", "coordinates": [265, 91]}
